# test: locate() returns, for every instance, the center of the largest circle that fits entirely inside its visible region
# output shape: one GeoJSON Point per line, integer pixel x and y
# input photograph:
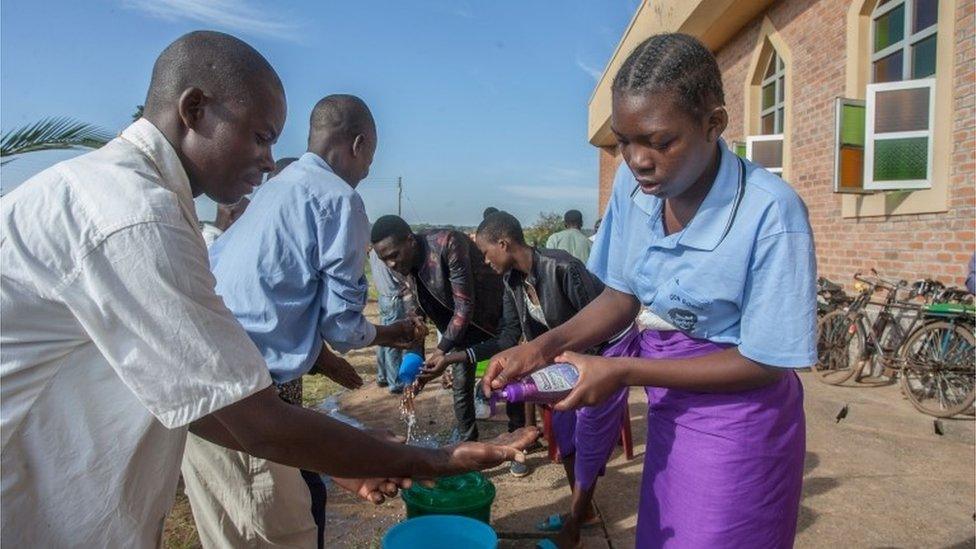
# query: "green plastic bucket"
{"type": "Point", "coordinates": [467, 495]}
{"type": "Point", "coordinates": [481, 367]}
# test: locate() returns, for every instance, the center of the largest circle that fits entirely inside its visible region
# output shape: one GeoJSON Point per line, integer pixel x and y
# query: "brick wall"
{"type": "Point", "coordinates": [905, 246]}
{"type": "Point", "coordinates": [609, 161]}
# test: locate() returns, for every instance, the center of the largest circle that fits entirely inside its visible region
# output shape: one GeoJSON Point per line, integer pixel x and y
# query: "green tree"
{"type": "Point", "coordinates": [547, 224]}
{"type": "Point", "coordinates": [52, 133]}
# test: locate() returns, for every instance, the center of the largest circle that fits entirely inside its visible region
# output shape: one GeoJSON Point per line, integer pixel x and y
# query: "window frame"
{"type": "Point", "coordinates": [906, 45]}
{"type": "Point", "coordinates": [778, 80]}
{"type": "Point", "coordinates": [870, 136]}
{"type": "Point", "coordinates": [767, 137]}
{"type": "Point", "coordinates": [839, 104]}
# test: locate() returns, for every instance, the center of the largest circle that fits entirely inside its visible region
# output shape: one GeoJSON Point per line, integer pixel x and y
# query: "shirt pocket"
{"type": "Point", "coordinates": [686, 311]}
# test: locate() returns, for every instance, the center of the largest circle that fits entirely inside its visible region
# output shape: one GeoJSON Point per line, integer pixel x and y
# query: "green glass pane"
{"type": "Point", "coordinates": [889, 28]}
{"type": "Point", "coordinates": [926, 14]}
{"type": "Point", "coordinates": [852, 125]}
{"type": "Point", "coordinates": [901, 159]}
{"type": "Point", "coordinates": [780, 120]}
{"type": "Point", "coordinates": [923, 58]}
{"type": "Point", "coordinates": [780, 89]}
{"type": "Point", "coordinates": [768, 96]}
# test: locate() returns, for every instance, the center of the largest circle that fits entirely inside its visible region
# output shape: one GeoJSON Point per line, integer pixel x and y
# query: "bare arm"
{"type": "Point", "coordinates": [725, 371]}
{"type": "Point", "coordinates": [603, 318]}
{"type": "Point", "coordinates": [265, 426]}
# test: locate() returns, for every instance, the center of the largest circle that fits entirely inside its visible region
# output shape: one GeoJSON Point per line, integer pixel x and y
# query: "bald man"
{"type": "Point", "coordinates": [292, 271]}
{"type": "Point", "coordinates": [114, 342]}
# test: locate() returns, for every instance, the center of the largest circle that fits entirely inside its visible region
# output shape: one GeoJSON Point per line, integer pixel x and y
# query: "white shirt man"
{"type": "Point", "coordinates": [104, 254]}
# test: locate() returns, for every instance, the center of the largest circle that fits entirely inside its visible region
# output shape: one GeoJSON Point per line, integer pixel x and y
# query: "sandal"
{"type": "Point", "coordinates": [555, 523]}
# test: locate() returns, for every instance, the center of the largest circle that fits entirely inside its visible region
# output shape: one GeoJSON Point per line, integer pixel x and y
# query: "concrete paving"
{"type": "Point", "coordinates": [881, 477]}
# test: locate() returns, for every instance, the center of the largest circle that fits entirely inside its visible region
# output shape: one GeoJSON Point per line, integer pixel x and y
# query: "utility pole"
{"type": "Point", "coordinates": [399, 196]}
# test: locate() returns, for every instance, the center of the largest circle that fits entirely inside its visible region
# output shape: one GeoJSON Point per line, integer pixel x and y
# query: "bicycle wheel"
{"type": "Point", "coordinates": [939, 369]}
{"type": "Point", "coordinates": [840, 347]}
{"type": "Point", "coordinates": [882, 366]}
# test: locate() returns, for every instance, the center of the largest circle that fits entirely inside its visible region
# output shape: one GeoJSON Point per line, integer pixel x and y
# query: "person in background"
{"type": "Point", "coordinates": [543, 289]}
{"type": "Point", "coordinates": [226, 216]}
{"type": "Point", "coordinates": [114, 342]}
{"type": "Point", "coordinates": [455, 290]}
{"type": "Point", "coordinates": [596, 229]}
{"type": "Point", "coordinates": [291, 270]}
{"type": "Point", "coordinates": [571, 239]}
{"type": "Point", "coordinates": [389, 296]}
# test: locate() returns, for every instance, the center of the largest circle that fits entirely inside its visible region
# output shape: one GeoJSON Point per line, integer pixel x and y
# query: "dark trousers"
{"type": "Point", "coordinates": [463, 387]}
{"type": "Point", "coordinates": [319, 496]}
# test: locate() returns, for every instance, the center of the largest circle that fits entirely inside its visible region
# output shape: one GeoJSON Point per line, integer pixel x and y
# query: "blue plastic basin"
{"type": "Point", "coordinates": [441, 532]}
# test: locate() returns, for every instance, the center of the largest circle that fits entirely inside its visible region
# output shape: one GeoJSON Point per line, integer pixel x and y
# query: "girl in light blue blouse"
{"type": "Point", "coordinates": [723, 251]}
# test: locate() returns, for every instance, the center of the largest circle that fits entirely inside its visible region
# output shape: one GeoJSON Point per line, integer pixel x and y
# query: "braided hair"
{"type": "Point", "coordinates": [674, 63]}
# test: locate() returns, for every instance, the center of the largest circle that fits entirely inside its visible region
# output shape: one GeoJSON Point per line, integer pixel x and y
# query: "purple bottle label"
{"type": "Point", "coordinates": [549, 384]}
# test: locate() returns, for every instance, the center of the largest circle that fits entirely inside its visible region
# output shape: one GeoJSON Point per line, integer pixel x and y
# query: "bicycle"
{"type": "Point", "coordinates": [938, 361]}
{"type": "Point", "coordinates": [830, 297]}
{"type": "Point", "coordinates": [851, 344]}
{"type": "Point", "coordinates": [836, 358]}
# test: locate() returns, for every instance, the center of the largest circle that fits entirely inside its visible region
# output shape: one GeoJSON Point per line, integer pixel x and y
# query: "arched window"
{"type": "Point", "coordinates": [765, 145]}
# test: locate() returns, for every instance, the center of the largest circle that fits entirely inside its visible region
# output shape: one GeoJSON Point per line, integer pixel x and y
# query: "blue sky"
{"type": "Point", "coordinates": [477, 103]}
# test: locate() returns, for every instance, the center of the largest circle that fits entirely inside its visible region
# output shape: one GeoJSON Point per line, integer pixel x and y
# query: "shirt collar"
{"type": "Point", "coordinates": [316, 160]}
{"type": "Point", "coordinates": [151, 142]}
{"type": "Point", "coordinates": [715, 215]}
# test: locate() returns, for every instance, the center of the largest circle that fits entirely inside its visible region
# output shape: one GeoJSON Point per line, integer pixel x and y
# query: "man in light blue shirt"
{"type": "Point", "coordinates": [291, 269]}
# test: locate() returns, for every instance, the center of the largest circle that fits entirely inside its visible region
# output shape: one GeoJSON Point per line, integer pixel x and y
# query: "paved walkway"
{"type": "Point", "coordinates": [881, 477]}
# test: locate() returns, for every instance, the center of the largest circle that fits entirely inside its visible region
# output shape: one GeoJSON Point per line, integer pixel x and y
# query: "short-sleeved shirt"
{"type": "Point", "coordinates": [112, 340]}
{"type": "Point", "coordinates": [292, 268]}
{"type": "Point", "coordinates": [743, 271]}
{"type": "Point", "coordinates": [573, 241]}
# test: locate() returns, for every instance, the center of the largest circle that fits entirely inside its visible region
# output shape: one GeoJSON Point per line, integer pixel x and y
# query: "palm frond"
{"type": "Point", "coordinates": [50, 134]}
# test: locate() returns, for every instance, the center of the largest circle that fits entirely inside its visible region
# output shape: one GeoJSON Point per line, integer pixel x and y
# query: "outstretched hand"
{"type": "Point", "coordinates": [475, 456]}
{"type": "Point", "coordinates": [374, 490]}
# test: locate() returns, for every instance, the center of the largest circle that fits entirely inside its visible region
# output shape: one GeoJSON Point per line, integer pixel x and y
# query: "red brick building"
{"type": "Point", "coordinates": [866, 106]}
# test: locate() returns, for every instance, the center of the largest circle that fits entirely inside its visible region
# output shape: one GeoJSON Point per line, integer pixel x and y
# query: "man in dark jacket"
{"type": "Point", "coordinates": [456, 291]}
{"type": "Point", "coordinates": [543, 289]}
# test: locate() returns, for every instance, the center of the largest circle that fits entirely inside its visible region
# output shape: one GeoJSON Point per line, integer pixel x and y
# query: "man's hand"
{"type": "Point", "coordinates": [599, 378]}
{"type": "Point", "coordinates": [512, 364]}
{"type": "Point", "coordinates": [408, 333]}
{"type": "Point", "coordinates": [475, 456]}
{"type": "Point", "coordinates": [435, 365]}
{"type": "Point", "coordinates": [373, 490]}
{"type": "Point", "coordinates": [337, 369]}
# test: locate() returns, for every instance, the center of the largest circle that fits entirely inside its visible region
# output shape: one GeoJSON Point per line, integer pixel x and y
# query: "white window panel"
{"type": "Point", "coordinates": [898, 145]}
{"type": "Point", "coordinates": [767, 151]}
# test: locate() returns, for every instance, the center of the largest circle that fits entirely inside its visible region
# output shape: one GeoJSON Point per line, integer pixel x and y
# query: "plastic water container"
{"type": "Point", "coordinates": [469, 495]}
{"type": "Point", "coordinates": [409, 368]}
{"type": "Point", "coordinates": [441, 532]}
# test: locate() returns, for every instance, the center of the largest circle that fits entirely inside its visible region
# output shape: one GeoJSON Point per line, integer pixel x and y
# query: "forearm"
{"type": "Point", "coordinates": [211, 429]}
{"type": "Point", "coordinates": [722, 372]}
{"type": "Point", "coordinates": [605, 317]}
{"type": "Point", "coordinates": [271, 429]}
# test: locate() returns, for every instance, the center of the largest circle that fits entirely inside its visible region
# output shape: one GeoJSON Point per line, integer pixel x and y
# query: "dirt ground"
{"type": "Point", "coordinates": [881, 477]}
